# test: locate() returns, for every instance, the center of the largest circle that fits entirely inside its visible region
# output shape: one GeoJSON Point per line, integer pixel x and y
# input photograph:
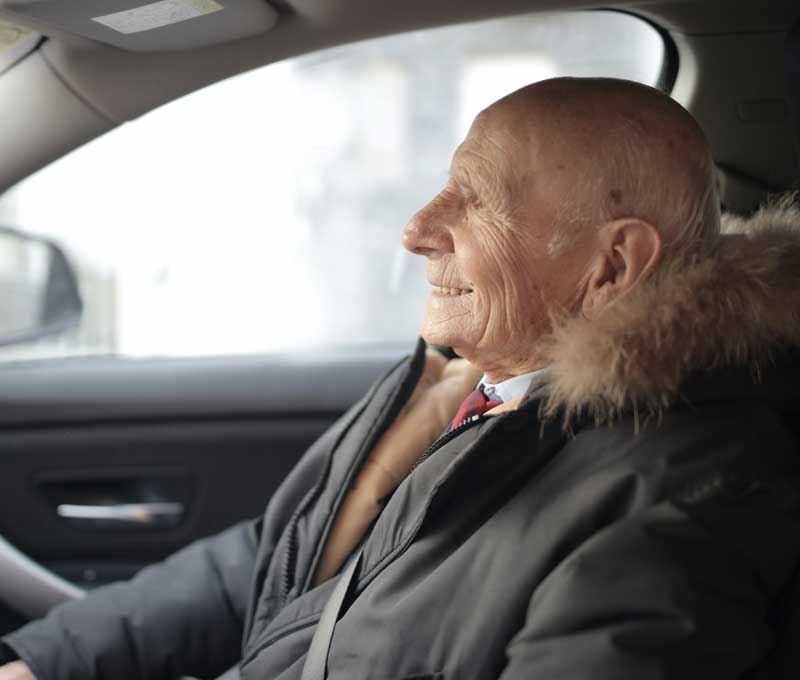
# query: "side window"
{"type": "Point", "coordinates": [264, 213]}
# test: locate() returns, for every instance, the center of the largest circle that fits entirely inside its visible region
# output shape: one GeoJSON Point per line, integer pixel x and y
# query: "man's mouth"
{"type": "Point", "coordinates": [451, 292]}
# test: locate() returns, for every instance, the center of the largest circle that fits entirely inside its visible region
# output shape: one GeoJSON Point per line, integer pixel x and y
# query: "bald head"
{"type": "Point", "coordinates": [611, 149]}
{"type": "Point", "coordinates": [562, 197]}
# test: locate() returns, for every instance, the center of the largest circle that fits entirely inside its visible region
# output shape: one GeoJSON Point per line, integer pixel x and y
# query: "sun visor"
{"type": "Point", "coordinates": [166, 25]}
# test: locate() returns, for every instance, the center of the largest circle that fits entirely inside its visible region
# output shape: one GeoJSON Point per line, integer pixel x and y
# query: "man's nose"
{"type": "Point", "coordinates": [427, 233]}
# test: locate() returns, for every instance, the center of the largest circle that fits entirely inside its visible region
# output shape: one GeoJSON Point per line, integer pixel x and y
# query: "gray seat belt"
{"type": "Point", "coordinates": [316, 664]}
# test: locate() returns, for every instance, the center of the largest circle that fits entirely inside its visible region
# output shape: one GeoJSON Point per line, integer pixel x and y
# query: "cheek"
{"type": "Point", "coordinates": [512, 280]}
{"type": "Point", "coordinates": [499, 265]}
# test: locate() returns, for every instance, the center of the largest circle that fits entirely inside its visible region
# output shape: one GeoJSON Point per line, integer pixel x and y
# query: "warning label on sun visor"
{"type": "Point", "coordinates": [157, 14]}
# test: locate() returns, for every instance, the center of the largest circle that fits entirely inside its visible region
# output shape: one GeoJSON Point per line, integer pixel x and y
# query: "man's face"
{"type": "Point", "coordinates": [485, 236]}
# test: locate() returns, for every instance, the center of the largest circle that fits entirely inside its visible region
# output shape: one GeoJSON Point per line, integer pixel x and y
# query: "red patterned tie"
{"type": "Point", "coordinates": [475, 404]}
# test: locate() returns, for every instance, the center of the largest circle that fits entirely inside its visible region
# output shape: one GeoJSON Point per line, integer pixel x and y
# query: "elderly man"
{"type": "Point", "coordinates": [619, 499]}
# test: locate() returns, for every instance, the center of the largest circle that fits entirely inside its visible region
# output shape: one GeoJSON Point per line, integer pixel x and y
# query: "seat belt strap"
{"type": "Point", "coordinates": [316, 664]}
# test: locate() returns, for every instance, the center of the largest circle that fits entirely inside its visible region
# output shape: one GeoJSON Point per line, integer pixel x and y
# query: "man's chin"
{"type": "Point", "coordinates": [435, 336]}
{"type": "Point", "coordinates": [444, 330]}
{"type": "Point", "coordinates": [439, 337]}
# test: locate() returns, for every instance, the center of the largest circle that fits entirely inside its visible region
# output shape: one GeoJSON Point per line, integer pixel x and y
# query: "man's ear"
{"type": "Point", "coordinates": [626, 251]}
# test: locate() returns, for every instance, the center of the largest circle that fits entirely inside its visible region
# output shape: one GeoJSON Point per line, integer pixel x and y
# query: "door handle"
{"type": "Point", "coordinates": [143, 514]}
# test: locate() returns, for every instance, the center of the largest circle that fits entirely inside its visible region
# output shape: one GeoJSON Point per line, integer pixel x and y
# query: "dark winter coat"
{"type": "Point", "coordinates": [640, 520]}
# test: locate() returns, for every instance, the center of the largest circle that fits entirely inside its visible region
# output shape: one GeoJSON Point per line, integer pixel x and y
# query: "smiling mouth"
{"type": "Point", "coordinates": [451, 292]}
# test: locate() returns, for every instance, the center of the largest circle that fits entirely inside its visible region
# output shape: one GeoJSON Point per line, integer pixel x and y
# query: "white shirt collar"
{"type": "Point", "coordinates": [513, 388]}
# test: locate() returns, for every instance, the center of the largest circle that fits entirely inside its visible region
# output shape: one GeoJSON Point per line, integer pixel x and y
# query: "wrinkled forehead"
{"type": "Point", "coordinates": [509, 153]}
{"type": "Point", "coordinates": [497, 146]}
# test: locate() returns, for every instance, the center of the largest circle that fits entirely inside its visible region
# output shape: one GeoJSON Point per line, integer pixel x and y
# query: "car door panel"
{"type": "Point", "coordinates": [107, 465]}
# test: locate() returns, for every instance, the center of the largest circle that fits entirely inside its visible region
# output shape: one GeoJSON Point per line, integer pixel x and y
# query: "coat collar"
{"type": "Point", "coordinates": [735, 306]}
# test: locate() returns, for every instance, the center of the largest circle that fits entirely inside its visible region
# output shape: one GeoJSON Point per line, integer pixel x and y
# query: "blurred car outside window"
{"type": "Point", "coordinates": [263, 213]}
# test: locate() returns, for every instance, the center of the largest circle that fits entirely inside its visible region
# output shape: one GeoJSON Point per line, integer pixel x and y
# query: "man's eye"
{"type": "Point", "coordinates": [475, 203]}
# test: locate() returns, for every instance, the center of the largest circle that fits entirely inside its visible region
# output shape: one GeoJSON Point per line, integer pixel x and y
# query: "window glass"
{"type": "Point", "coordinates": [264, 212]}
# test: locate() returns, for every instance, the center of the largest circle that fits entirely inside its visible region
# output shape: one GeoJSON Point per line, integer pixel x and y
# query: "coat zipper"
{"type": "Point", "coordinates": [289, 555]}
{"type": "Point", "coordinates": [448, 437]}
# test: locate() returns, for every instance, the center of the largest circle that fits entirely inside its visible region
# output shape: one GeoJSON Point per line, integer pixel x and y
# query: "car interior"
{"type": "Point", "coordinates": [108, 464]}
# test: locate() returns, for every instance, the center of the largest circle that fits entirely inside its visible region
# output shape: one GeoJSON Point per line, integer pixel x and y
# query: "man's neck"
{"type": "Point", "coordinates": [512, 388]}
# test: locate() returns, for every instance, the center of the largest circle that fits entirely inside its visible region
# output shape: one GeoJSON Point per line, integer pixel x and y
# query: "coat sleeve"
{"type": "Point", "coordinates": [679, 590]}
{"type": "Point", "coordinates": [182, 616]}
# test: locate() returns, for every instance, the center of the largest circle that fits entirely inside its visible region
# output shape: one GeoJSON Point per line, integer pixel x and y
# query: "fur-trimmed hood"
{"type": "Point", "coordinates": [737, 305]}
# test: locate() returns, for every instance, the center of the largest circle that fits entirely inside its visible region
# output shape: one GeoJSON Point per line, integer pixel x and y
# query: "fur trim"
{"type": "Point", "coordinates": [734, 305]}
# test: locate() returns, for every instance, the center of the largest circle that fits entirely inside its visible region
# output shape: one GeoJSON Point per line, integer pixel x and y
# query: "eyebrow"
{"type": "Point", "coordinates": [491, 192]}
{"type": "Point", "coordinates": [463, 182]}
{"type": "Point", "coordinates": [460, 183]}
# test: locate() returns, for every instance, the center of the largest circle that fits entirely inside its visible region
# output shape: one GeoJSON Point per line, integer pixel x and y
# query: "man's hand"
{"type": "Point", "coordinates": [16, 670]}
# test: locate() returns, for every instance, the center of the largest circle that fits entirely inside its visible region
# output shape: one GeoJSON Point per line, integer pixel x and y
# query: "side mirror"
{"type": "Point", "coordinates": [38, 289]}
